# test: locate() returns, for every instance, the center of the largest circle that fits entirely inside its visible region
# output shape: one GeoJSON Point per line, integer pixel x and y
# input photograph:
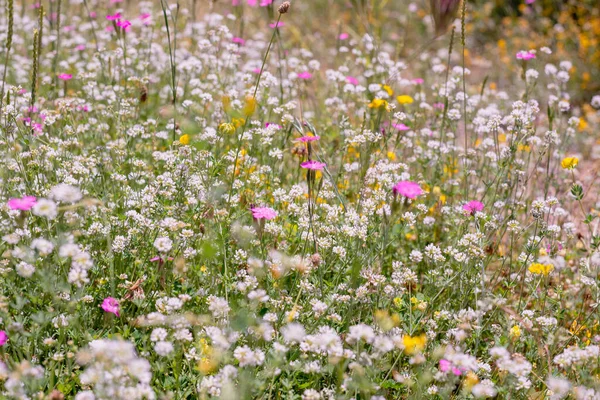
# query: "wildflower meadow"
{"type": "Point", "coordinates": [303, 200]}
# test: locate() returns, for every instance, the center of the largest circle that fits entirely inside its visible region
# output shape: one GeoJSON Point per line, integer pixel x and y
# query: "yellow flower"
{"type": "Point", "coordinates": [541, 269]}
{"type": "Point", "coordinates": [569, 162]}
{"type": "Point", "coordinates": [380, 104]}
{"type": "Point", "coordinates": [388, 89]}
{"type": "Point", "coordinates": [227, 128]}
{"type": "Point", "coordinates": [184, 139]}
{"type": "Point", "coordinates": [515, 331]}
{"type": "Point", "coordinates": [405, 99]}
{"type": "Point", "coordinates": [391, 156]}
{"type": "Point", "coordinates": [250, 106]}
{"type": "Point", "coordinates": [414, 345]}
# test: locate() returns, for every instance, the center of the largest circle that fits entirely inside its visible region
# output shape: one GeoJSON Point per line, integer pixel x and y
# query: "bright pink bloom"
{"type": "Point", "coordinates": [125, 25]}
{"type": "Point", "coordinates": [305, 139]}
{"type": "Point", "coordinates": [313, 165]}
{"type": "Point", "coordinates": [65, 77]}
{"type": "Point", "coordinates": [80, 47]}
{"type": "Point", "coordinates": [264, 3]}
{"type": "Point", "coordinates": [238, 40]}
{"type": "Point", "coordinates": [401, 127]}
{"type": "Point", "coordinates": [473, 206]}
{"type": "Point", "coordinates": [256, 70]}
{"type": "Point", "coordinates": [439, 106]}
{"type": "Point", "coordinates": [305, 75]}
{"type": "Point", "coordinates": [343, 36]}
{"type": "Point", "coordinates": [418, 81]}
{"type": "Point", "coordinates": [525, 55]}
{"type": "Point", "coordinates": [278, 25]}
{"type": "Point", "coordinates": [408, 189]}
{"type": "Point", "coordinates": [268, 124]}
{"type": "Point", "coordinates": [352, 80]}
{"type": "Point", "coordinates": [24, 204]}
{"type": "Point", "coordinates": [111, 305]}
{"type": "Point", "coordinates": [113, 17]}
{"type": "Point", "coordinates": [263, 213]}
{"type": "Point", "coordinates": [446, 365]}
{"type": "Point", "coordinates": [3, 338]}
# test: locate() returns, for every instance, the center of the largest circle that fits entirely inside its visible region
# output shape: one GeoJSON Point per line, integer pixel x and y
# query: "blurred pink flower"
{"type": "Point", "coordinates": [125, 25]}
{"type": "Point", "coordinates": [111, 305]}
{"type": "Point", "coordinates": [473, 206]}
{"type": "Point", "coordinates": [113, 17]}
{"type": "Point", "coordinates": [65, 77]}
{"type": "Point", "coordinates": [418, 81]}
{"type": "Point", "coordinates": [305, 139]}
{"type": "Point", "coordinates": [238, 40]}
{"type": "Point", "coordinates": [407, 189]}
{"type": "Point", "coordinates": [343, 36]}
{"type": "Point", "coordinates": [313, 165]}
{"type": "Point", "coordinates": [276, 25]}
{"type": "Point", "coordinates": [3, 338]}
{"type": "Point", "coordinates": [401, 127]}
{"type": "Point", "coordinates": [263, 213]}
{"type": "Point", "coordinates": [25, 203]}
{"type": "Point", "coordinates": [525, 55]}
{"type": "Point", "coordinates": [446, 365]}
{"type": "Point", "coordinates": [352, 80]}
{"type": "Point", "coordinates": [304, 75]}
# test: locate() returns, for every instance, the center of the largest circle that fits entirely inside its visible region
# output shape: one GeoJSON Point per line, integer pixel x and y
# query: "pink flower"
{"type": "Point", "coordinates": [529, 1]}
{"type": "Point", "coordinates": [3, 338]}
{"type": "Point", "coordinates": [113, 17]}
{"type": "Point", "coordinates": [65, 77]}
{"type": "Point", "coordinates": [525, 55]}
{"type": "Point", "coordinates": [238, 40]}
{"type": "Point", "coordinates": [304, 75]}
{"type": "Point", "coordinates": [473, 206]}
{"type": "Point", "coordinates": [264, 3]}
{"type": "Point", "coordinates": [160, 259]}
{"type": "Point", "coordinates": [276, 25]}
{"type": "Point", "coordinates": [401, 127]}
{"type": "Point", "coordinates": [80, 47]}
{"type": "Point", "coordinates": [124, 25]}
{"type": "Point", "coordinates": [343, 36]}
{"type": "Point", "coordinates": [305, 139]}
{"type": "Point", "coordinates": [418, 81]}
{"type": "Point", "coordinates": [313, 165]}
{"type": "Point", "coordinates": [25, 203]}
{"type": "Point", "coordinates": [111, 305]}
{"type": "Point", "coordinates": [268, 124]}
{"type": "Point", "coordinates": [352, 80]}
{"type": "Point", "coordinates": [446, 365]}
{"type": "Point", "coordinates": [263, 213]}
{"type": "Point", "coordinates": [408, 189]}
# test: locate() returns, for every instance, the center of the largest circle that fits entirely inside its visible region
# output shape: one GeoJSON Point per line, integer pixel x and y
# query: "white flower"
{"type": "Point", "coordinates": [163, 348]}
{"type": "Point", "coordinates": [65, 193]}
{"type": "Point", "coordinates": [163, 244]}
{"type": "Point", "coordinates": [45, 208]}
{"type": "Point", "coordinates": [293, 333]}
{"type": "Point", "coordinates": [25, 270]}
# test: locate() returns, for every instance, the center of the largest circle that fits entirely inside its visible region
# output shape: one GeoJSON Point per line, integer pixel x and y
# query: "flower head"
{"type": "Point", "coordinates": [473, 206]}
{"type": "Point", "coordinates": [525, 55]}
{"type": "Point", "coordinates": [263, 213]}
{"type": "Point", "coordinates": [313, 165]}
{"type": "Point", "coordinates": [3, 338]}
{"type": "Point", "coordinates": [111, 305]}
{"type": "Point", "coordinates": [65, 77]}
{"type": "Point", "coordinates": [380, 104]}
{"type": "Point", "coordinates": [308, 138]}
{"type": "Point", "coordinates": [304, 75]}
{"type": "Point", "coordinates": [414, 345]}
{"type": "Point", "coordinates": [541, 269]}
{"type": "Point", "coordinates": [405, 99]}
{"type": "Point", "coordinates": [24, 204]}
{"type": "Point", "coordinates": [569, 162]}
{"type": "Point", "coordinates": [408, 189]}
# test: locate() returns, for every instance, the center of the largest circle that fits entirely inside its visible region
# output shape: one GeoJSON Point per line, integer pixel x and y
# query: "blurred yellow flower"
{"type": "Point", "coordinates": [414, 345]}
{"type": "Point", "coordinates": [405, 99]}
{"type": "Point", "coordinates": [249, 106]}
{"type": "Point", "coordinates": [184, 139]}
{"type": "Point", "coordinates": [380, 104]}
{"type": "Point", "coordinates": [388, 89]}
{"type": "Point", "coordinates": [515, 332]}
{"type": "Point", "coordinates": [541, 269]}
{"type": "Point", "coordinates": [227, 128]}
{"type": "Point", "coordinates": [569, 162]}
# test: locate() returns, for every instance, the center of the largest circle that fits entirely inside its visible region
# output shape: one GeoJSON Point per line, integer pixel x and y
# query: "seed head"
{"type": "Point", "coordinates": [284, 7]}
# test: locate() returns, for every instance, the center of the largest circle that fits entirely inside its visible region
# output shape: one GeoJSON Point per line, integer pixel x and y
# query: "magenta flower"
{"type": "Point", "coordinates": [238, 40]}
{"type": "Point", "coordinates": [446, 365]}
{"type": "Point", "coordinates": [352, 80]}
{"type": "Point", "coordinates": [344, 36]}
{"type": "Point", "coordinates": [3, 338]}
{"type": "Point", "coordinates": [408, 189]}
{"type": "Point", "coordinates": [113, 17]}
{"type": "Point", "coordinates": [65, 77]}
{"type": "Point", "coordinates": [313, 165]}
{"type": "Point", "coordinates": [111, 305]}
{"type": "Point", "coordinates": [263, 213]}
{"type": "Point", "coordinates": [473, 206]}
{"type": "Point", "coordinates": [401, 127]}
{"type": "Point", "coordinates": [304, 75]}
{"type": "Point", "coordinates": [418, 81]}
{"type": "Point", "coordinates": [125, 25]}
{"type": "Point", "coordinates": [24, 204]}
{"type": "Point", "coordinates": [268, 124]}
{"type": "Point", "coordinates": [525, 55]}
{"type": "Point", "coordinates": [276, 25]}
{"type": "Point", "coordinates": [305, 139]}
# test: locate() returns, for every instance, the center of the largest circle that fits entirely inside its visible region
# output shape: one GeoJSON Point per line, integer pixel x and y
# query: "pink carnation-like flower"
{"type": "Point", "coordinates": [263, 213]}
{"type": "Point", "coordinates": [3, 338]}
{"type": "Point", "coordinates": [65, 77]}
{"type": "Point", "coordinates": [111, 305]}
{"type": "Point", "coordinates": [304, 75]}
{"type": "Point", "coordinates": [408, 189]}
{"type": "Point", "coordinates": [401, 127]}
{"type": "Point", "coordinates": [313, 165]}
{"type": "Point", "coordinates": [352, 80]}
{"type": "Point", "coordinates": [525, 55]}
{"type": "Point", "coordinates": [473, 206]}
{"type": "Point", "coordinates": [24, 204]}
{"type": "Point", "coordinates": [113, 17]}
{"type": "Point", "coordinates": [305, 139]}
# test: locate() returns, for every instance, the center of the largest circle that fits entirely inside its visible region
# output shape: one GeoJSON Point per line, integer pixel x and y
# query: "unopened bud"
{"type": "Point", "coordinates": [284, 7]}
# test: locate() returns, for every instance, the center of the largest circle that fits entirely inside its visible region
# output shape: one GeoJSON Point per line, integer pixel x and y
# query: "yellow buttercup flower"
{"type": "Point", "coordinates": [184, 139]}
{"type": "Point", "coordinates": [380, 104]}
{"type": "Point", "coordinates": [515, 331]}
{"type": "Point", "coordinates": [414, 345]}
{"type": "Point", "coordinates": [541, 269]}
{"type": "Point", "coordinates": [227, 128]}
{"type": "Point", "coordinates": [388, 89]}
{"type": "Point", "coordinates": [405, 99]}
{"type": "Point", "coordinates": [569, 162]}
